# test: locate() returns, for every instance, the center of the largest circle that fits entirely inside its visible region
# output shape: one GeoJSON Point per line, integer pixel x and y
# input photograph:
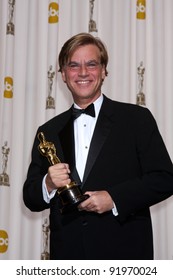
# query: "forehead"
{"type": "Point", "coordinates": [86, 52]}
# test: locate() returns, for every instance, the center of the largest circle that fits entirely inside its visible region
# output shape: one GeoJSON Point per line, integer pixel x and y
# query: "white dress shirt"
{"type": "Point", "coordinates": [84, 127]}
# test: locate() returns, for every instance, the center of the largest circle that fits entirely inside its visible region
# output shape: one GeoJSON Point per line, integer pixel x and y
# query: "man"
{"type": "Point", "coordinates": [117, 156]}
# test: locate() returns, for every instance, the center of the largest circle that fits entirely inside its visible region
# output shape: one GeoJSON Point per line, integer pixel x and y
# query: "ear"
{"type": "Point", "coordinates": [63, 76]}
{"type": "Point", "coordinates": [103, 73]}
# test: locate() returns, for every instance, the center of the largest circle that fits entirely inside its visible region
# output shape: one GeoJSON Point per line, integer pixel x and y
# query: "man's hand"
{"type": "Point", "coordinates": [58, 176]}
{"type": "Point", "coordinates": [99, 202]}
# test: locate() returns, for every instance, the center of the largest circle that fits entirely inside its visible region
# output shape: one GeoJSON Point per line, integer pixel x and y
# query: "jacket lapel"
{"type": "Point", "coordinates": [102, 129]}
{"type": "Point", "coordinates": [66, 136]}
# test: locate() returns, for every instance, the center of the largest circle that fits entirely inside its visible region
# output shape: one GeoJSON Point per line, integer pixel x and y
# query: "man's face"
{"type": "Point", "coordinates": [84, 74]}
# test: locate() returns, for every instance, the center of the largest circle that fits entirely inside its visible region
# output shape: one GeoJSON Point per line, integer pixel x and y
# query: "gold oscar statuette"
{"type": "Point", "coordinates": [70, 195]}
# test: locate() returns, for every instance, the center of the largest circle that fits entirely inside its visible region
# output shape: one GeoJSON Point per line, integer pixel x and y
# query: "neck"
{"type": "Point", "coordinates": [85, 102]}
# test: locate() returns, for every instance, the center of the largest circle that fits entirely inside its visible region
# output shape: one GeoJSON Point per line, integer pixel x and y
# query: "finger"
{"type": "Point", "coordinates": [83, 205]}
{"type": "Point", "coordinates": [90, 193]}
{"type": "Point", "coordinates": [66, 167]}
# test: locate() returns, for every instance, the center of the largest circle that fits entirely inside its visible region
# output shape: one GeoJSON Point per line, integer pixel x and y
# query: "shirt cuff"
{"type": "Point", "coordinates": [46, 195]}
{"type": "Point", "coordinates": [114, 210]}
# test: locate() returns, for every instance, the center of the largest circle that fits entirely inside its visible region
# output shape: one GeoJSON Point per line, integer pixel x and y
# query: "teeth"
{"type": "Point", "coordinates": [83, 82]}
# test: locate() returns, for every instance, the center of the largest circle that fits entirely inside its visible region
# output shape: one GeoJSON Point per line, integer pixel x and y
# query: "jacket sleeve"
{"type": "Point", "coordinates": [32, 189]}
{"type": "Point", "coordinates": [156, 181]}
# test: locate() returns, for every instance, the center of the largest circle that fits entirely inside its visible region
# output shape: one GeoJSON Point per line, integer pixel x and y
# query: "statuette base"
{"type": "Point", "coordinates": [50, 103]}
{"type": "Point", "coordinates": [45, 256]}
{"type": "Point", "coordinates": [92, 26]}
{"type": "Point", "coordinates": [4, 180]}
{"type": "Point", "coordinates": [140, 100]}
{"type": "Point", "coordinates": [10, 28]}
{"type": "Point", "coordinates": [71, 197]}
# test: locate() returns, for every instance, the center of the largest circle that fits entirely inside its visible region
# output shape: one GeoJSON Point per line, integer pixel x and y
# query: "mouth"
{"type": "Point", "coordinates": [86, 82]}
{"type": "Point", "coordinates": [83, 82]}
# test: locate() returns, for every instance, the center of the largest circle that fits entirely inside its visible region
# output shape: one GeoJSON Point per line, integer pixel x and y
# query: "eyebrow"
{"type": "Point", "coordinates": [91, 60]}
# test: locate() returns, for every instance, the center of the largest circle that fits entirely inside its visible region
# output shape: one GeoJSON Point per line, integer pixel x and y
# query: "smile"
{"type": "Point", "coordinates": [83, 82]}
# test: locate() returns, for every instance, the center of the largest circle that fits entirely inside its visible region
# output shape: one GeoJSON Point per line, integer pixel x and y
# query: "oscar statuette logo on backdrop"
{"type": "Point", "coordinates": [140, 99]}
{"type": "Point", "coordinates": [92, 24]}
{"type": "Point", "coordinates": [50, 102]}
{"type": "Point", "coordinates": [45, 231]}
{"type": "Point", "coordinates": [10, 25]}
{"type": "Point", "coordinates": [4, 177]}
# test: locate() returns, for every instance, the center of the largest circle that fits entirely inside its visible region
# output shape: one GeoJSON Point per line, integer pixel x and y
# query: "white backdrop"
{"type": "Point", "coordinates": [134, 31]}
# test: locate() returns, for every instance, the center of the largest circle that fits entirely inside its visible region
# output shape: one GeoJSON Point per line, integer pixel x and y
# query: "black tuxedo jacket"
{"type": "Point", "coordinates": [127, 157]}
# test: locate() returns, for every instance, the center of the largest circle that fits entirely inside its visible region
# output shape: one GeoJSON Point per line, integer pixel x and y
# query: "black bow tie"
{"type": "Point", "coordinates": [88, 110]}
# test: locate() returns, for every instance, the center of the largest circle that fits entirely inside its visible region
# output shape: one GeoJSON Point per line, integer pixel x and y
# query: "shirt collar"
{"type": "Point", "coordinates": [97, 104]}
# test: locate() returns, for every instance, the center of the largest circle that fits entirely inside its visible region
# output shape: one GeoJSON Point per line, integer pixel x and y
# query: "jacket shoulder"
{"type": "Point", "coordinates": [57, 121]}
{"type": "Point", "coordinates": [129, 110]}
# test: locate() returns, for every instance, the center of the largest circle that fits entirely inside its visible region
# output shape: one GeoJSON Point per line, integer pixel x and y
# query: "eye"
{"type": "Point", "coordinates": [92, 64]}
{"type": "Point", "coordinates": [73, 66]}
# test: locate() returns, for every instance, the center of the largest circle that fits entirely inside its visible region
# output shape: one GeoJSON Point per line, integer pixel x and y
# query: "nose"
{"type": "Point", "coordinates": [83, 71]}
